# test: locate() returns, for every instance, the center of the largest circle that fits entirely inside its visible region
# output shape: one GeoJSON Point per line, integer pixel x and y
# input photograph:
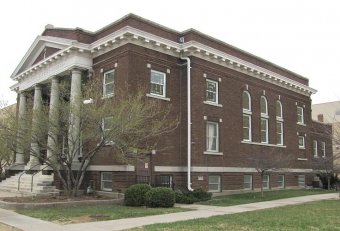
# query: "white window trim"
{"type": "Point", "coordinates": [266, 104]}
{"type": "Point", "coordinates": [281, 184]}
{"type": "Point", "coordinates": [219, 183]}
{"type": "Point", "coordinates": [281, 116]}
{"type": "Point", "coordinates": [251, 182]}
{"type": "Point", "coordinates": [245, 110]}
{"type": "Point", "coordinates": [164, 85]}
{"type": "Point", "coordinates": [304, 143]}
{"type": "Point", "coordinates": [267, 181]}
{"type": "Point", "coordinates": [206, 90]}
{"type": "Point", "coordinates": [315, 148]}
{"type": "Point", "coordinates": [108, 142]}
{"type": "Point", "coordinates": [212, 104]}
{"type": "Point", "coordinates": [105, 95]}
{"type": "Point", "coordinates": [263, 144]}
{"type": "Point", "coordinates": [267, 135]}
{"type": "Point", "coordinates": [249, 130]}
{"type": "Point", "coordinates": [281, 125]}
{"type": "Point", "coordinates": [304, 180]}
{"type": "Point", "coordinates": [217, 137]}
{"type": "Point", "coordinates": [302, 122]}
{"type": "Point", "coordinates": [102, 185]}
{"type": "Point", "coordinates": [323, 148]}
{"type": "Point", "coordinates": [157, 97]}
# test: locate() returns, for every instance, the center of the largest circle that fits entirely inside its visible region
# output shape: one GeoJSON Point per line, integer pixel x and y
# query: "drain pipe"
{"type": "Point", "coordinates": [189, 121]}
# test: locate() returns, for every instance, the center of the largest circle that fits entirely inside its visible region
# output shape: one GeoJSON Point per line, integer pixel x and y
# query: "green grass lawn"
{"type": "Point", "coordinates": [99, 212]}
{"type": "Point", "coordinates": [321, 215]}
{"type": "Point", "coordinates": [252, 197]}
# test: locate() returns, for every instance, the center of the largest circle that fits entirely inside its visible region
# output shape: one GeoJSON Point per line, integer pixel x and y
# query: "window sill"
{"type": "Point", "coordinates": [302, 148]}
{"type": "Point", "coordinates": [302, 158]}
{"type": "Point", "coordinates": [247, 112]}
{"type": "Point", "coordinates": [302, 124]}
{"type": "Point", "coordinates": [316, 157]}
{"type": "Point", "coordinates": [263, 144]}
{"type": "Point", "coordinates": [213, 153]}
{"type": "Point", "coordinates": [158, 97]}
{"type": "Point", "coordinates": [212, 104]}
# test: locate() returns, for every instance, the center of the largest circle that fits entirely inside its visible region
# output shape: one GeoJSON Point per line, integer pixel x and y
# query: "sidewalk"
{"type": "Point", "coordinates": [200, 211]}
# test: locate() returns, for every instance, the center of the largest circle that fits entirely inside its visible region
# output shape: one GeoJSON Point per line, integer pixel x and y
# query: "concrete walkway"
{"type": "Point", "coordinates": [200, 211]}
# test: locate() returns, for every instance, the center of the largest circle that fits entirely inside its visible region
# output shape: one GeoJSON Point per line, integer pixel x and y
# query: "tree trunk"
{"type": "Point", "coordinates": [262, 185]}
{"type": "Point", "coordinates": [329, 182]}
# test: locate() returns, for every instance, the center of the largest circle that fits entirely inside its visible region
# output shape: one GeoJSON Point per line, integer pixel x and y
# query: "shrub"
{"type": "Point", "coordinates": [135, 195]}
{"type": "Point", "coordinates": [188, 197]}
{"type": "Point", "coordinates": [160, 197]}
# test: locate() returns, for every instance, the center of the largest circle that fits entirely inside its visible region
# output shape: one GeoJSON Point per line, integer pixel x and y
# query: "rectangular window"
{"type": "Point", "coordinates": [323, 149]}
{"type": "Point", "coordinates": [301, 181]}
{"type": "Point", "coordinates": [300, 118]}
{"type": "Point", "coordinates": [214, 183]}
{"type": "Point", "coordinates": [158, 83]}
{"type": "Point", "coordinates": [301, 142]}
{"type": "Point", "coordinates": [264, 130]}
{"type": "Point", "coordinates": [212, 137]}
{"type": "Point", "coordinates": [279, 133]}
{"type": "Point", "coordinates": [107, 127]}
{"type": "Point", "coordinates": [315, 148]}
{"type": "Point", "coordinates": [165, 181]}
{"type": "Point", "coordinates": [248, 182]}
{"type": "Point", "coordinates": [108, 83]}
{"type": "Point", "coordinates": [265, 182]}
{"type": "Point", "coordinates": [247, 127]}
{"type": "Point", "coordinates": [106, 181]}
{"type": "Point", "coordinates": [281, 181]}
{"type": "Point", "coordinates": [212, 91]}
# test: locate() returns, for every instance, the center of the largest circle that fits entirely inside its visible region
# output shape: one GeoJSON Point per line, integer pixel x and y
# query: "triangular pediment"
{"type": "Point", "coordinates": [42, 48]}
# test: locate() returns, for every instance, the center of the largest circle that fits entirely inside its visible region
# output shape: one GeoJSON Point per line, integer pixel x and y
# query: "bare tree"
{"type": "Point", "coordinates": [271, 160]}
{"type": "Point", "coordinates": [128, 124]}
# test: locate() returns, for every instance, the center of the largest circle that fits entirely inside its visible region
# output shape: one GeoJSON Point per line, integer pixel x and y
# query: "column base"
{"type": "Point", "coordinates": [33, 166]}
{"type": "Point", "coordinates": [18, 167]}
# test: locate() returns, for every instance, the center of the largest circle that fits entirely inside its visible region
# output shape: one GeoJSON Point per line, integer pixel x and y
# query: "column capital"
{"type": "Point", "coordinates": [77, 70]}
{"type": "Point", "coordinates": [37, 86]}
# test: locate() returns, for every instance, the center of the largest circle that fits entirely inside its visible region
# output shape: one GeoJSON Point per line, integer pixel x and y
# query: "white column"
{"type": "Point", "coordinates": [75, 107]}
{"type": "Point", "coordinates": [37, 106]}
{"type": "Point", "coordinates": [19, 155]}
{"type": "Point", "coordinates": [52, 149]}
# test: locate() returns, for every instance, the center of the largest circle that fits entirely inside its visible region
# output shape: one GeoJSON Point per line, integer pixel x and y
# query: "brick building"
{"type": "Point", "coordinates": [241, 107]}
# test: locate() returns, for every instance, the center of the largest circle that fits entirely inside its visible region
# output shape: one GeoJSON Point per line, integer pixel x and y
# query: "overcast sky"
{"type": "Point", "coordinates": [302, 36]}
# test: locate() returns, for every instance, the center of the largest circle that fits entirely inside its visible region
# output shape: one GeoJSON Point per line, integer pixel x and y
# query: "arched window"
{"type": "Point", "coordinates": [264, 119]}
{"type": "Point", "coordinates": [263, 105]}
{"type": "Point", "coordinates": [246, 105]}
{"type": "Point", "coordinates": [246, 101]}
{"type": "Point", "coordinates": [278, 109]}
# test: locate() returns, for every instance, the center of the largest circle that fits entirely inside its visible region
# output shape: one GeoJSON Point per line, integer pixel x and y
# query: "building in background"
{"type": "Point", "coordinates": [242, 107]}
{"type": "Point", "coordinates": [329, 113]}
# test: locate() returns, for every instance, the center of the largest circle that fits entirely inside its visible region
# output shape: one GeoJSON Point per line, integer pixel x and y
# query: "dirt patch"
{"type": "Point", "coordinates": [74, 220]}
{"type": "Point", "coordinates": [4, 227]}
{"type": "Point", "coordinates": [51, 199]}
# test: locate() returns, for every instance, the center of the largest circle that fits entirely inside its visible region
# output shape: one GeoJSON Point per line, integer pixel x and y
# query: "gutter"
{"type": "Point", "coordinates": [189, 123]}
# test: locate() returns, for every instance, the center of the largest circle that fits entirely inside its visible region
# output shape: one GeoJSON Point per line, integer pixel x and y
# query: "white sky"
{"type": "Point", "coordinates": [300, 35]}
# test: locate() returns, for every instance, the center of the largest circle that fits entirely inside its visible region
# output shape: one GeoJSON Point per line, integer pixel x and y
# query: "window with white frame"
{"type": "Point", "coordinates": [212, 136]}
{"type": "Point", "coordinates": [264, 130]}
{"type": "Point", "coordinates": [246, 108]}
{"type": "Point", "coordinates": [214, 183]}
{"type": "Point", "coordinates": [212, 91]}
{"type": "Point", "coordinates": [108, 83]}
{"type": "Point", "coordinates": [107, 127]}
{"type": "Point", "coordinates": [278, 109]}
{"type": "Point", "coordinates": [323, 149]}
{"type": "Point", "coordinates": [106, 181]}
{"type": "Point", "coordinates": [263, 106]}
{"type": "Point", "coordinates": [279, 133]}
{"type": "Point", "coordinates": [246, 101]}
{"type": "Point", "coordinates": [301, 142]}
{"type": "Point", "coordinates": [315, 148]}
{"type": "Point", "coordinates": [264, 119]}
{"type": "Point", "coordinates": [301, 181]}
{"type": "Point", "coordinates": [246, 127]}
{"type": "Point", "coordinates": [281, 181]}
{"type": "Point", "coordinates": [265, 181]}
{"type": "Point", "coordinates": [158, 83]}
{"type": "Point", "coordinates": [248, 182]}
{"type": "Point", "coordinates": [300, 117]}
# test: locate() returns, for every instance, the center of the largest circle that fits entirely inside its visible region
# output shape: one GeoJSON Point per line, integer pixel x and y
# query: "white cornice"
{"type": "Point", "coordinates": [192, 48]}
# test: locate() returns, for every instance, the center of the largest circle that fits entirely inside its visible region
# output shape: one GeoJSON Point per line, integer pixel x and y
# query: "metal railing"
{"type": "Point", "coordinates": [35, 174]}
{"type": "Point", "coordinates": [30, 169]}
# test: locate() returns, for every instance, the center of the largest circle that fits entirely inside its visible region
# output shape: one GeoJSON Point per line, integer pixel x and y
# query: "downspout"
{"type": "Point", "coordinates": [189, 122]}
